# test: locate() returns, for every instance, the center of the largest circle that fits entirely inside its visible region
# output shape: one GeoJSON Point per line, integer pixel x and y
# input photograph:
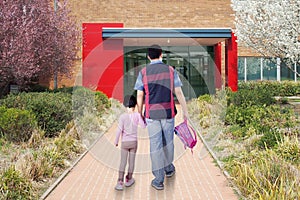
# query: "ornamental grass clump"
{"type": "Point", "coordinates": [13, 185]}
{"type": "Point", "coordinates": [264, 175]}
{"type": "Point", "coordinates": [259, 141]}
{"type": "Point", "coordinates": [289, 150]}
{"type": "Point", "coordinates": [67, 146]}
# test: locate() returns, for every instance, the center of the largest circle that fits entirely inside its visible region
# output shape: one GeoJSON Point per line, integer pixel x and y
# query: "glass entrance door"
{"type": "Point", "coordinates": [193, 64]}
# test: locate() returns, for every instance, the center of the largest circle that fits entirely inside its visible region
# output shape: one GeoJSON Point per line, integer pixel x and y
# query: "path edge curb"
{"type": "Point", "coordinates": [68, 170]}
{"type": "Point", "coordinates": [63, 175]}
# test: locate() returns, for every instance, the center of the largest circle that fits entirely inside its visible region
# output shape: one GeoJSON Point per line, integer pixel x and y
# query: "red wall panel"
{"type": "Point", "coordinates": [102, 66]}
{"type": "Point", "coordinates": [231, 68]}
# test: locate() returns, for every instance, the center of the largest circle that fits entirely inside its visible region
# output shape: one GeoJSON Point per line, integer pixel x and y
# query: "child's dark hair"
{"type": "Point", "coordinates": [154, 51]}
{"type": "Point", "coordinates": [129, 101]}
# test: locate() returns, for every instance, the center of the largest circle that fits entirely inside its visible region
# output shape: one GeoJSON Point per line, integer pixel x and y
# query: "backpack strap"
{"type": "Point", "coordinates": [195, 135]}
{"type": "Point", "coordinates": [171, 90]}
{"type": "Point", "coordinates": [146, 87]}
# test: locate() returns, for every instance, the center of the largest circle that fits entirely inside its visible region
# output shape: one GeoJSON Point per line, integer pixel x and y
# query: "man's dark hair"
{"type": "Point", "coordinates": [129, 101]}
{"type": "Point", "coordinates": [154, 51]}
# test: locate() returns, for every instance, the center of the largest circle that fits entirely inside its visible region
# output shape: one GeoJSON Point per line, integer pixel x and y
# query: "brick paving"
{"type": "Point", "coordinates": [95, 175]}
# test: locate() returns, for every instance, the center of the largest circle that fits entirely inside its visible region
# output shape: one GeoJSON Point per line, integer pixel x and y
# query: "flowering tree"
{"type": "Point", "coordinates": [270, 27]}
{"type": "Point", "coordinates": [35, 40]}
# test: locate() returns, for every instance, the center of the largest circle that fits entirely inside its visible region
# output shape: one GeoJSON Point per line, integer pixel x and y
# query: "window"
{"type": "Point", "coordinates": [269, 69]}
{"type": "Point", "coordinates": [253, 68]}
{"type": "Point", "coordinates": [285, 72]}
{"type": "Point", "coordinates": [241, 68]}
{"type": "Point", "coordinates": [259, 68]}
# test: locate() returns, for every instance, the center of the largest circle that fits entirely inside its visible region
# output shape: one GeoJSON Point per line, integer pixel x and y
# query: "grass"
{"type": "Point", "coordinates": [35, 162]}
{"type": "Point", "coordinates": [268, 173]}
{"type": "Point", "coordinates": [34, 165]}
{"type": "Point", "coordinates": [264, 175]}
{"type": "Point", "coordinates": [5, 147]}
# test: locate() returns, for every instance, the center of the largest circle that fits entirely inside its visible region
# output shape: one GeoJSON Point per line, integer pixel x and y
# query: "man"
{"type": "Point", "coordinates": [157, 82]}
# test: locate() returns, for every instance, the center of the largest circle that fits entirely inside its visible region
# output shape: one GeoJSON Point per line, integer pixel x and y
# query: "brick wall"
{"type": "Point", "coordinates": [152, 13]}
{"type": "Point", "coordinates": [156, 13]}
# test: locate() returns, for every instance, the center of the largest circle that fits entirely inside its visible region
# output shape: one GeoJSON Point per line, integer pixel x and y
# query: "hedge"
{"type": "Point", "coordinates": [16, 125]}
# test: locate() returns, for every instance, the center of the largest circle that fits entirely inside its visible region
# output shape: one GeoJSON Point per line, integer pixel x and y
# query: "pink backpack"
{"type": "Point", "coordinates": [183, 131]}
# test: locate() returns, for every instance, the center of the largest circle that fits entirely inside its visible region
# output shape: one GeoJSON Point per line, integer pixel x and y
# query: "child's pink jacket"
{"type": "Point", "coordinates": [128, 126]}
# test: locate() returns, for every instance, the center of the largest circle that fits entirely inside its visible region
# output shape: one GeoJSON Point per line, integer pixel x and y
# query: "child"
{"type": "Point", "coordinates": [127, 128]}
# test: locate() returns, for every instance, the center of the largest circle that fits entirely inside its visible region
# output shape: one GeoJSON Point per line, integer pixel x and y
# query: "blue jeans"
{"type": "Point", "coordinates": [161, 135]}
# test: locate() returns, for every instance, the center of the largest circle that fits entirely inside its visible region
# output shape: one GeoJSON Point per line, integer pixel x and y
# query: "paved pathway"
{"type": "Point", "coordinates": [95, 175]}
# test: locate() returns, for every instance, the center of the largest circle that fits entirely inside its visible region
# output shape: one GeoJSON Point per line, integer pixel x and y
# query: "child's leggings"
{"type": "Point", "coordinates": [127, 148]}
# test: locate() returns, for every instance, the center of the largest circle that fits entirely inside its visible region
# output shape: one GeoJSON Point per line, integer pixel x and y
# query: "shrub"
{"type": "Point", "coordinates": [89, 128]}
{"type": "Point", "coordinates": [266, 158]}
{"type": "Point", "coordinates": [276, 88]}
{"type": "Point", "coordinates": [17, 125]}
{"type": "Point", "coordinates": [246, 98]}
{"type": "Point", "coordinates": [210, 108]}
{"type": "Point", "coordinates": [205, 97]}
{"type": "Point", "coordinates": [102, 102]}
{"type": "Point", "coordinates": [260, 117]}
{"type": "Point", "coordinates": [52, 110]}
{"type": "Point", "coordinates": [204, 113]}
{"type": "Point", "coordinates": [236, 131]}
{"type": "Point", "coordinates": [14, 186]}
{"type": "Point", "coordinates": [68, 90]}
{"type": "Point", "coordinates": [86, 101]}
{"type": "Point", "coordinates": [240, 116]}
{"type": "Point", "coordinates": [269, 139]}
{"type": "Point", "coordinates": [67, 146]}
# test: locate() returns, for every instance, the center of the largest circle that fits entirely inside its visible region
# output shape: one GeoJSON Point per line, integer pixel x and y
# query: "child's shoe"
{"type": "Point", "coordinates": [129, 182]}
{"type": "Point", "coordinates": [119, 185]}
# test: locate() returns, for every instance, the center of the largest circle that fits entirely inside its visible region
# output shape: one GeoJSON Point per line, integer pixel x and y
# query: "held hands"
{"type": "Point", "coordinates": [143, 118]}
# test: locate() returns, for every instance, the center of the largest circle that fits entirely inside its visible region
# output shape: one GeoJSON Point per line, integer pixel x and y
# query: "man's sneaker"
{"type": "Point", "coordinates": [157, 186]}
{"type": "Point", "coordinates": [129, 182]}
{"type": "Point", "coordinates": [170, 174]}
{"type": "Point", "coordinates": [119, 185]}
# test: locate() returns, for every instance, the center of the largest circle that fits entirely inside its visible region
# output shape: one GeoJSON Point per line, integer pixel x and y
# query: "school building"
{"type": "Point", "coordinates": [197, 37]}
